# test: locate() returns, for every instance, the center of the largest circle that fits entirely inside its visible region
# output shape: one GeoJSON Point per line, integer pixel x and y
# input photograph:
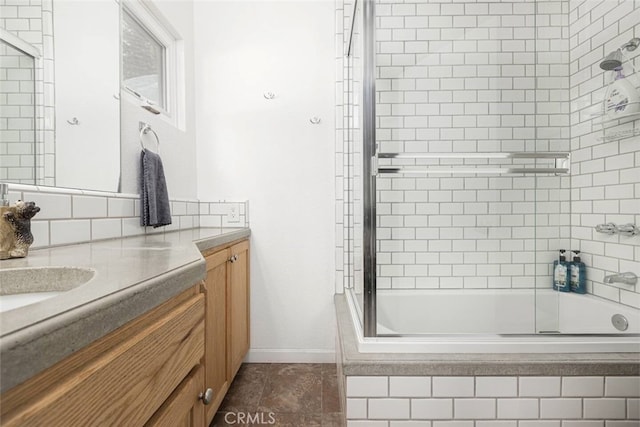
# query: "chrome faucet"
{"type": "Point", "coordinates": [627, 278]}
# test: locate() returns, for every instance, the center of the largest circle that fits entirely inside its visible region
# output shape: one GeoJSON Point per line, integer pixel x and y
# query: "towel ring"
{"type": "Point", "coordinates": [145, 128]}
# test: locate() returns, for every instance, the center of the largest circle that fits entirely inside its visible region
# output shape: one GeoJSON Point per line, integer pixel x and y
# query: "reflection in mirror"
{"type": "Point", "coordinates": [77, 115]}
{"type": "Point", "coordinates": [17, 115]}
{"type": "Point", "coordinates": [87, 94]}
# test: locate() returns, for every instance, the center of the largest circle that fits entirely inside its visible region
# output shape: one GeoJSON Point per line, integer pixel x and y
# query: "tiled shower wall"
{"type": "Point", "coordinates": [509, 401]}
{"type": "Point", "coordinates": [17, 120]}
{"type": "Point", "coordinates": [462, 76]}
{"type": "Point", "coordinates": [471, 77]}
{"type": "Point", "coordinates": [32, 21]}
{"type": "Point", "coordinates": [76, 216]}
{"type": "Point", "coordinates": [468, 77]}
{"type": "Point", "coordinates": [605, 169]}
{"type": "Point", "coordinates": [349, 215]}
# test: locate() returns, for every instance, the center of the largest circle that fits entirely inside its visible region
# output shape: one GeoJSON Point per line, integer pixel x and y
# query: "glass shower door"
{"type": "Point", "coordinates": [471, 167]}
{"type": "Point", "coordinates": [352, 157]}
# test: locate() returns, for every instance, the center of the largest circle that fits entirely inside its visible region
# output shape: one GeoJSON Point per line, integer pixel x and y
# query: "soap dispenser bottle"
{"type": "Point", "coordinates": [561, 280]}
{"type": "Point", "coordinates": [578, 274]}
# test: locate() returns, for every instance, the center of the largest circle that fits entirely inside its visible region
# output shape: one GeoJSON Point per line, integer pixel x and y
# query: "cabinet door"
{"type": "Point", "coordinates": [216, 329]}
{"type": "Point", "coordinates": [238, 307]}
{"type": "Point", "coordinates": [123, 385]}
{"type": "Point", "coordinates": [184, 408]}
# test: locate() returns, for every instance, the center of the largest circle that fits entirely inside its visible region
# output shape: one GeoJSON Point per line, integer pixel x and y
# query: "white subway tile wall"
{"type": "Point", "coordinates": [74, 216]}
{"type": "Point", "coordinates": [370, 398]}
{"type": "Point", "coordinates": [486, 76]}
{"type": "Point", "coordinates": [491, 76]}
{"type": "Point", "coordinates": [31, 21]}
{"type": "Point", "coordinates": [605, 178]}
{"type": "Point", "coordinates": [348, 160]}
{"type": "Point", "coordinates": [471, 77]}
{"type": "Point", "coordinates": [454, 78]}
{"type": "Point", "coordinates": [17, 122]}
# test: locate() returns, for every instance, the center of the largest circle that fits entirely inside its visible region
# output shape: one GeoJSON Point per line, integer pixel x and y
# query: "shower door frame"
{"type": "Point", "coordinates": [369, 321]}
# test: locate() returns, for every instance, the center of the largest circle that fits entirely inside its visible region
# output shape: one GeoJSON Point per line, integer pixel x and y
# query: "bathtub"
{"type": "Point", "coordinates": [497, 321]}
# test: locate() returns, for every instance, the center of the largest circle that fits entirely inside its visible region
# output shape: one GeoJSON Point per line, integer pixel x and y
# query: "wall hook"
{"type": "Point", "coordinates": [74, 121]}
{"type": "Point", "coordinates": [269, 95]}
{"type": "Point", "coordinates": [315, 120]}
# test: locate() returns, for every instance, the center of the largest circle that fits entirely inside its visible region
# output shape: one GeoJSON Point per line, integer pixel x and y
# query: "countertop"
{"type": "Point", "coordinates": [132, 276]}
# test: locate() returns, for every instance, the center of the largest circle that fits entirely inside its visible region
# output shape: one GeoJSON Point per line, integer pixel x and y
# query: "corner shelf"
{"type": "Point", "coordinates": [621, 134]}
{"type": "Point", "coordinates": [616, 134]}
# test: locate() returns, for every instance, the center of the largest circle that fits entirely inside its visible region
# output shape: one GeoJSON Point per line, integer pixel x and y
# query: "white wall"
{"type": "Point", "coordinates": [268, 152]}
{"type": "Point", "coordinates": [177, 143]}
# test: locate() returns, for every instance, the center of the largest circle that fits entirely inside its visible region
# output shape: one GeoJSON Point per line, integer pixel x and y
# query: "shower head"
{"type": "Point", "coordinates": [612, 61]}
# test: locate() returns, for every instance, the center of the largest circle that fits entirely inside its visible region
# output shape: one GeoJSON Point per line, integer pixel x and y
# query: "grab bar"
{"type": "Point", "coordinates": [434, 171]}
{"type": "Point", "coordinates": [561, 163]}
{"type": "Point", "coordinates": [516, 155]}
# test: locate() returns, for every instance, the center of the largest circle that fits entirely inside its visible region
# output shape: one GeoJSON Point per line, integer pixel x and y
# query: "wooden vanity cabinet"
{"type": "Point", "coordinates": [227, 318]}
{"type": "Point", "coordinates": [147, 371]}
{"type": "Point", "coordinates": [154, 370]}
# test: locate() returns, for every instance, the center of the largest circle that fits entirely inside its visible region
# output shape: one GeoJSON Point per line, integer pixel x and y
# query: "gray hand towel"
{"type": "Point", "coordinates": [154, 197]}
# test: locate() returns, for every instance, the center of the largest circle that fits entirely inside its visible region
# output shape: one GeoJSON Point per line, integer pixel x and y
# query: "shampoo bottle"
{"type": "Point", "coordinates": [561, 280]}
{"type": "Point", "coordinates": [621, 99]}
{"type": "Point", "coordinates": [578, 274]}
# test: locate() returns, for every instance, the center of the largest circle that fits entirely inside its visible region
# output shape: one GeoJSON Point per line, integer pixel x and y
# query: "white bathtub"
{"type": "Point", "coordinates": [498, 321]}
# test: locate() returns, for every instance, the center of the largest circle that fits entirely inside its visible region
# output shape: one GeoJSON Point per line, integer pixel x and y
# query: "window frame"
{"type": "Point", "coordinates": [152, 21]}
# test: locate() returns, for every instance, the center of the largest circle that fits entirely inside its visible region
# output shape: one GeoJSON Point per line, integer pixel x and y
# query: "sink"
{"type": "Point", "coordinates": [24, 286]}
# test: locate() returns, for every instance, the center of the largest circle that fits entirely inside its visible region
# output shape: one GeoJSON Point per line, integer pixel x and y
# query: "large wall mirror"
{"type": "Point", "coordinates": [60, 94]}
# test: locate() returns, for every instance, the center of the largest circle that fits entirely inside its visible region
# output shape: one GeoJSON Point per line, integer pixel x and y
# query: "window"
{"type": "Point", "coordinates": [143, 61]}
{"type": "Point", "coordinates": [152, 61]}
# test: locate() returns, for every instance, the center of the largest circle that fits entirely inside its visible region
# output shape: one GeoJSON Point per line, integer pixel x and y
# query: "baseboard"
{"type": "Point", "coordinates": [290, 356]}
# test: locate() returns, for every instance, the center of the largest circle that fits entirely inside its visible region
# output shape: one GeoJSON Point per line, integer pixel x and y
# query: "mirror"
{"type": "Point", "coordinates": [75, 102]}
{"type": "Point", "coordinates": [18, 117]}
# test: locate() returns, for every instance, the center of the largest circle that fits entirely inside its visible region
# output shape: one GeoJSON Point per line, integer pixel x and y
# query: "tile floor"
{"type": "Point", "coordinates": [295, 395]}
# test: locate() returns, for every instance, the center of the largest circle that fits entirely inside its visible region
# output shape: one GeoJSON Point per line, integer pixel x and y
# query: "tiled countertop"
{"type": "Point", "coordinates": [133, 275]}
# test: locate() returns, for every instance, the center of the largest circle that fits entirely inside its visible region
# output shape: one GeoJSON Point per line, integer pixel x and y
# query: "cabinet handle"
{"type": "Point", "coordinates": [207, 396]}
{"type": "Point", "coordinates": [233, 258]}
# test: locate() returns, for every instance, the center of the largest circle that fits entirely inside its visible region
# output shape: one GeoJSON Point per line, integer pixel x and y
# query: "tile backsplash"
{"type": "Point", "coordinates": [70, 216]}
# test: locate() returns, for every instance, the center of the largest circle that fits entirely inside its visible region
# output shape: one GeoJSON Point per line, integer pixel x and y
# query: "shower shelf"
{"type": "Point", "coordinates": [606, 119]}
{"type": "Point", "coordinates": [614, 135]}
{"type": "Point", "coordinates": [620, 134]}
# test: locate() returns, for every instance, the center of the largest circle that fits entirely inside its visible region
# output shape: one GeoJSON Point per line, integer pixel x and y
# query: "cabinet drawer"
{"type": "Point", "coordinates": [184, 408]}
{"type": "Point", "coordinates": [126, 384]}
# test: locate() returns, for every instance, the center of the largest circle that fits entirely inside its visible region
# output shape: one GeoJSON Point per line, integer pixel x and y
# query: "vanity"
{"type": "Point", "coordinates": [154, 337]}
